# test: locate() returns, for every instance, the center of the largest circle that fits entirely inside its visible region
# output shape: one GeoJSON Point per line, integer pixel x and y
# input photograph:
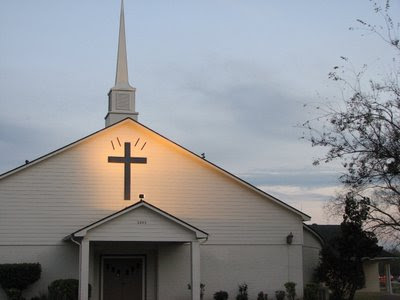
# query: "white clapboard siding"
{"type": "Point", "coordinates": [141, 224]}
{"type": "Point", "coordinates": [311, 248]}
{"type": "Point", "coordinates": [44, 202]}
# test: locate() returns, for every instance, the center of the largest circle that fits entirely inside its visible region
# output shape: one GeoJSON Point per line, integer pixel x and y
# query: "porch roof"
{"type": "Point", "coordinates": [157, 213]}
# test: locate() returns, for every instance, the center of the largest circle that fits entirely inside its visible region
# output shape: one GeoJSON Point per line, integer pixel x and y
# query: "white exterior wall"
{"type": "Point", "coordinates": [224, 267]}
{"type": "Point", "coordinates": [371, 272]}
{"type": "Point", "coordinates": [140, 224]}
{"type": "Point", "coordinates": [263, 268]}
{"type": "Point", "coordinates": [58, 262]}
{"type": "Point", "coordinates": [173, 272]}
{"type": "Point", "coordinates": [43, 203]}
{"type": "Point", "coordinates": [311, 248]}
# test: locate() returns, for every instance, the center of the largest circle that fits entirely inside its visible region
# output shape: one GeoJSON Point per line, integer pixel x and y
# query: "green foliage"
{"type": "Point", "coordinates": [262, 296]}
{"type": "Point", "coordinates": [341, 266]}
{"type": "Point", "coordinates": [290, 290]}
{"type": "Point", "coordinates": [202, 289]}
{"type": "Point", "coordinates": [368, 296]}
{"type": "Point", "coordinates": [64, 289]}
{"type": "Point", "coordinates": [311, 291]}
{"type": "Point", "coordinates": [221, 295]}
{"type": "Point", "coordinates": [242, 292]}
{"type": "Point", "coordinates": [280, 295]}
{"type": "Point", "coordinates": [40, 297]}
{"type": "Point", "coordinates": [19, 276]}
{"type": "Point", "coordinates": [14, 278]}
{"type": "Point", "coordinates": [14, 294]}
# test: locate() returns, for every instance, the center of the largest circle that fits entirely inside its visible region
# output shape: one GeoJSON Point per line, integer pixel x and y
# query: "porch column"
{"type": "Point", "coordinates": [388, 279]}
{"type": "Point", "coordinates": [84, 270]}
{"type": "Point", "coordinates": [195, 269]}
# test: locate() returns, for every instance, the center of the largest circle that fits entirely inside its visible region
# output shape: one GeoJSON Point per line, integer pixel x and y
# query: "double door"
{"type": "Point", "coordinates": [123, 278]}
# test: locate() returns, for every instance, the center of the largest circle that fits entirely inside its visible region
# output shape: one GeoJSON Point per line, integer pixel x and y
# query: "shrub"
{"type": "Point", "coordinates": [221, 295]}
{"type": "Point", "coordinates": [14, 294]}
{"type": "Point", "coordinates": [64, 289]}
{"type": "Point", "coordinates": [262, 296]}
{"type": "Point", "coordinates": [290, 290]}
{"type": "Point", "coordinates": [280, 295]}
{"type": "Point", "coordinates": [311, 291]}
{"type": "Point", "coordinates": [242, 292]}
{"type": "Point", "coordinates": [202, 289]}
{"type": "Point", "coordinates": [40, 297]}
{"type": "Point", "coordinates": [14, 278]}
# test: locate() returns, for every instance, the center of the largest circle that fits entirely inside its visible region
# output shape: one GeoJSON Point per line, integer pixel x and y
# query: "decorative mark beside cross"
{"type": "Point", "coordinates": [127, 160]}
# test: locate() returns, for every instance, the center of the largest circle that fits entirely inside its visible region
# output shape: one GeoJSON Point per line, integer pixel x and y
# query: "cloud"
{"type": "Point", "coordinates": [306, 177]}
{"type": "Point", "coordinates": [310, 200]}
{"type": "Point", "coordinates": [28, 140]}
{"type": "Point", "coordinates": [226, 108]}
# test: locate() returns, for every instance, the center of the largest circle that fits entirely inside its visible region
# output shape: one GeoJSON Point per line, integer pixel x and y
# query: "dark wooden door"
{"type": "Point", "coordinates": [123, 278]}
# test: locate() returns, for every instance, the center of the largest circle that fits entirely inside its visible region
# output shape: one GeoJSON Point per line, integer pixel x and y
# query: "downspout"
{"type": "Point", "coordinates": [76, 242]}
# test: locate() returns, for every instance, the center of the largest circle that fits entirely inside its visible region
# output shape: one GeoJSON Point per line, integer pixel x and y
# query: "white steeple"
{"type": "Point", "coordinates": [121, 97]}
{"type": "Point", "coordinates": [121, 77]}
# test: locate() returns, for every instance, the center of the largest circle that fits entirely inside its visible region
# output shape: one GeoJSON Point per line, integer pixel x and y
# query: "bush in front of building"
{"type": "Point", "coordinates": [14, 278]}
{"type": "Point", "coordinates": [14, 294]}
{"type": "Point", "coordinates": [221, 295]}
{"type": "Point", "coordinates": [64, 289]}
{"type": "Point", "coordinates": [242, 292]}
{"type": "Point", "coordinates": [290, 290]}
{"type": "Point", "coordinates": [280, 295]}
{"type": "Point", "coordinates": [311, 291]}
{"type": "Point", "coordinates": [40, 297]}
{"type": "Point", "coordinates": [202, 289]}
{"type": "Point", "coordinates": [262, 296]}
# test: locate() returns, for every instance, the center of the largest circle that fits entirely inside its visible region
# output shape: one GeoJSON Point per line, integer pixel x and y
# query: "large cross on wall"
{"type": "Point", "coordinates": [127, 160]}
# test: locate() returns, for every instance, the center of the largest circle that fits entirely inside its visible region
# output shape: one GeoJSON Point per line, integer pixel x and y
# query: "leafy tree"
{"type": "Point", "coordinates": [363, 134]}
{"type": "Point", "coordinates": [341, 266]}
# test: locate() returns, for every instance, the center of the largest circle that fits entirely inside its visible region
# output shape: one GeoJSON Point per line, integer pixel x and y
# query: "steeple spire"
{"type": "Point", "coordinates": [121, 78]}
{"type": "Point", "coordinates": [121, 98]}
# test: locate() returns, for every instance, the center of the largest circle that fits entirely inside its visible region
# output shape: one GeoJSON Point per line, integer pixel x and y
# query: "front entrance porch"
{"type": "Point", "coordinates": [139, 270]}
{"type": "Point", "coordinates": [139, 253]}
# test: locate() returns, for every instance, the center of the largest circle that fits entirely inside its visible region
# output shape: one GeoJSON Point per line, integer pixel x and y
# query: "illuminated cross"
{"type": "Point", "coordinates": [127, 160]}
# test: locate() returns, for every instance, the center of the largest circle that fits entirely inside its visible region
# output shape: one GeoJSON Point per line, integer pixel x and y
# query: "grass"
{"type": "Point", "coordinates": [396, 287]}
{"type": "Point", "coordinates": [367, 296]}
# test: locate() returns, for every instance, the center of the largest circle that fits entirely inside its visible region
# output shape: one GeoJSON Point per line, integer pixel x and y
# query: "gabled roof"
{"type": "Point", "coordinates": [304, 216]}
{"type": "Point", "coordinates": [330, 232]}
{"type": "Point", "coordinates": [82, 231]}
{"type": "Point", "coordinates": [314, 233]}
{"type": "Point", "coordinates": [327, 232]}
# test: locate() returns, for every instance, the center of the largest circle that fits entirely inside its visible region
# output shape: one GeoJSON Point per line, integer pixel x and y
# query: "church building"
{"type": "Point", "coordinates": [140, 217]}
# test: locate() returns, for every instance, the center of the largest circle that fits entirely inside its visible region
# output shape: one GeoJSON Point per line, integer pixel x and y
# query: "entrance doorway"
{"type": "Point", "coordinates": [123, 278]}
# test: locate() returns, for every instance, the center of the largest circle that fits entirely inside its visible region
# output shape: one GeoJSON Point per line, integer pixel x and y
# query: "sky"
{"type": "Point", "coordinates": [228, 78]}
